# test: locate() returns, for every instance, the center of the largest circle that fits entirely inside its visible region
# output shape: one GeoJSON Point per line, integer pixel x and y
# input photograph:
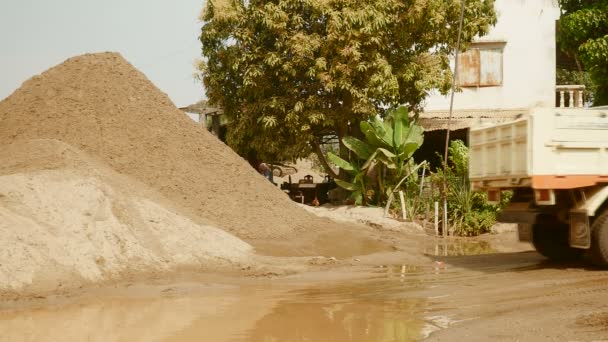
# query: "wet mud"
{"type": "Point", "coordinates": [363, 311]}
{"type": "Point", "coordinates": [469, 290]}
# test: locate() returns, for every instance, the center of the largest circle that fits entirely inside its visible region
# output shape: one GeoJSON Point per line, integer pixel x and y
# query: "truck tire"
{"type": "Point", "coordinates": [599, 240]}
{"type": "Point", "coordinates": [551, 240]}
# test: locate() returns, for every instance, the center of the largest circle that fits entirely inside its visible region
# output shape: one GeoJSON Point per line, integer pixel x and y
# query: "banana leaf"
{"type": "Point", "coordinates": [341, 163]}
{"type": "Point", "coordinates": [346, 185]}
{"type": "Point", "coordinates": [372, 135]}
{"type": "Point", "coordinates": [361, 148]}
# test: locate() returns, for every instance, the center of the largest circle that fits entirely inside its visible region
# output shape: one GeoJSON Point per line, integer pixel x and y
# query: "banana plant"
{"type": "Point", "coordinates": [394, 139]}
{"type": "Point", "coordinates": [389, 145]}
{"type": "Point", "coordinates": [359, 183]}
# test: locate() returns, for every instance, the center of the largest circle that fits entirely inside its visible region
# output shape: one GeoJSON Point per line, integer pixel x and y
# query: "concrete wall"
{"type": "Point", "coordinates": [528, 28]}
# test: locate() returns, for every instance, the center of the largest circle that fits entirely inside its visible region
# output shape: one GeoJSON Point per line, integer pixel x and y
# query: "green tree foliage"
{"type": "Point", "coordinates": [386, 152]}
{"type": "Point", "coordinates": [565, 76]}
{"type": "Point", "coordinates": [288, 72]}
{"type": "Point", "coordinates": [583, 32]}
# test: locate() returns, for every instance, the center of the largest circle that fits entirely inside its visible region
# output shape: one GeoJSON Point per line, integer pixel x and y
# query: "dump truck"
{"type": "Point", "coordinates": [555, 162]}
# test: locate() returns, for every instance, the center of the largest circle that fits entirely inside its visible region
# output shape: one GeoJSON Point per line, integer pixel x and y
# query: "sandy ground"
{"type": "Point", "coordinates": [492, 295]}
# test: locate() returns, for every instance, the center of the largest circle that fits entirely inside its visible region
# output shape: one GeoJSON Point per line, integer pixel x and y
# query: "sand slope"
{"type": "Point", "coordinates": [72, 221]}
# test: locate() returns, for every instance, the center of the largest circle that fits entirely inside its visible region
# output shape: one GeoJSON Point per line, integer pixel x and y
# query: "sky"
{"type": "Point", "coordinates": [159, 37]}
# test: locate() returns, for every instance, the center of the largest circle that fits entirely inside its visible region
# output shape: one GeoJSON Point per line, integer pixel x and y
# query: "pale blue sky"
{"type": "Point", "coordinates": [159, 37]}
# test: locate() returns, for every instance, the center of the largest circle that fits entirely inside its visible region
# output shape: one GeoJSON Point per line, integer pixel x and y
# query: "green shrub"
{"type": "Point", "coordinates": [469, 213]}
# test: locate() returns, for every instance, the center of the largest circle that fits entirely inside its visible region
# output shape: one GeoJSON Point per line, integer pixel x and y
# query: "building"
{"type": "Point", "coordinates": [505, 73]}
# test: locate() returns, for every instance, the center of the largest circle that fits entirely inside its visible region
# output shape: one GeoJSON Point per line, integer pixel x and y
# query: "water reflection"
{"type": "Point", "coordinates": [359, 312]}
{"type": "Point", "coordinates": [457, 247]}
{"type": "Point", "coordinates": [364, 317]}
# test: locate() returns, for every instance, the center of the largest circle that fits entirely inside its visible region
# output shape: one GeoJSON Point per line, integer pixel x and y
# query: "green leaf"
{"type": "Point", "coordinates": [346, 185]}
{"type": "Point", "coordinates": [399, 134]}
{"type": "Point", "coordinates": [415, 135]}
{"type": "Point", "coordinates": [361, 148]}
{"type": "Point", "coordinates": [341, 163]}
{"type": "Point", "coordinates": [386, 161]}
{"type": "Point", "coordinates": [388, 134]}
{"type": "Point", "coordinates": [401, 114]}
{"type": "Point", "coordinates": [372, 135]}
{"type": "Point", "coordinates": [401, 124]}
{"type": "Point", "coordinates": [387, 153]}
{"type": "Point", "coordinates": [407, 151]}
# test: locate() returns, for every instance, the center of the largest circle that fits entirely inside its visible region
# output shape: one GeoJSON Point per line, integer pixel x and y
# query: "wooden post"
{"type": "Point", "coordinates": [402, 198]}
{"type": "Point", "coordinates": [422, 181]}
{"type": "Point", "coordinates": [426, 215]}
{"type": "Point", "coordinates": [445, 218]}
{"type": "Point", "coordinates": [388, 204]}
{"type": "Point", "coordinates": [436, 218]}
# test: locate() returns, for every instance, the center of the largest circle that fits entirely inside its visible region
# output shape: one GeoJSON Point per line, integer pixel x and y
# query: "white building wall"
{"type": "Point", "coordinates": [528, 28]}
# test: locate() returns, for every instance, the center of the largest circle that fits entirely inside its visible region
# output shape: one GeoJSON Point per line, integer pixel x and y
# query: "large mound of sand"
{"type": "Point", "coordinates": [67, 220]}
{"type": "Point", "coordinates": [101, 105]}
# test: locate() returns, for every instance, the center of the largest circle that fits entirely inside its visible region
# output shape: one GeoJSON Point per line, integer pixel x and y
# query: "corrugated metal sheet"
{"type": "Point", "coordinates": [438, 120]}
{"type": "Point", "coordinates": [480, 67]}
{"type": "Point", "coordinates": [490, 67]}
{"type": "Point", "coordinates": [468, 68]}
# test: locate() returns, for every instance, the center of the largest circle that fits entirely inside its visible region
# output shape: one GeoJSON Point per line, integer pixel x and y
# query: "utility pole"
{"type": "Point", "coordinates": [447, 136]}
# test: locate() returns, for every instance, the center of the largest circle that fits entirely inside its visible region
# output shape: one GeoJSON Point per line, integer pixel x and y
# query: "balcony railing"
{"type": "Point", "coordinates": [570, 96]}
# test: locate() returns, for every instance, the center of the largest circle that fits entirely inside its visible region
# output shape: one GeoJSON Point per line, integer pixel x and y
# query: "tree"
{"type": "Point", "coordinates": [289, 72]}
{"type": "Point", "coordinates": [583, 33]}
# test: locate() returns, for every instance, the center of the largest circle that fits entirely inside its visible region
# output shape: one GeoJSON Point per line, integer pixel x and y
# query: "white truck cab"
{"type": "Point", "coordinates": [555, 160]}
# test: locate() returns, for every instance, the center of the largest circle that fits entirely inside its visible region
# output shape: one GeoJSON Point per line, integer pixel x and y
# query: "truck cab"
{"type": "Point", "coordinates": [555, 160]}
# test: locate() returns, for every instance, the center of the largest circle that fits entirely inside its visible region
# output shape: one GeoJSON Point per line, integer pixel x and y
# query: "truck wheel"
{"type": "Point", "coordinates": [551, 241]}
{"type": "Point", "coordinates": [599, 240]}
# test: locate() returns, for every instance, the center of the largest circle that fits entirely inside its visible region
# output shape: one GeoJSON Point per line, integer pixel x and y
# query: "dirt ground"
{"type": "Point", "coordinates": [487, 288]}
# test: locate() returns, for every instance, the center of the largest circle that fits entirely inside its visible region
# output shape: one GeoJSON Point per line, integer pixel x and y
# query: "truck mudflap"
{"type": "Point", "coordinates": [524, 232]}
{"type": "Point", "coordinates": [518, 212]}
{"type": "Point", "coordinates": [580, 230]}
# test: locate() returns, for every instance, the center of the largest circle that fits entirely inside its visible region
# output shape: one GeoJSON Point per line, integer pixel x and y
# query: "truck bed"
{"type": "Point", "coordinates": [549, 148]}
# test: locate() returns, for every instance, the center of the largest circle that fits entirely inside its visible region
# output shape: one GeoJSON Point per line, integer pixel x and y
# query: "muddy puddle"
{"type": "Point", "coordinates": [364, 311]}
{"type": "Point", "coordinates": [457, 247]}
{"type": "Point", "coordinates": [392, 303]}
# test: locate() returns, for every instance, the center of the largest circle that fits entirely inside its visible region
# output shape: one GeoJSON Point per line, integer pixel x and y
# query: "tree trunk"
{"type": "Point", "coordinates": [317, 149]}
{"type": "Point", "coordinates": [342, 131]}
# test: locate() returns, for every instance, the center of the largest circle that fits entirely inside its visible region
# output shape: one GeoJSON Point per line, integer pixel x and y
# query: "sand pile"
{"type": "Point", "coordinates": [99, 103]}
{"type": "Point", "coordinates": [103, 106]}
{"type": "Point", "coordinates": [67, 220]}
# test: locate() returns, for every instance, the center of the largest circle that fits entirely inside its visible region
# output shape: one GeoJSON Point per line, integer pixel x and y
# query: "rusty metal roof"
{"type": "Point", "coordinates": [461, 119]}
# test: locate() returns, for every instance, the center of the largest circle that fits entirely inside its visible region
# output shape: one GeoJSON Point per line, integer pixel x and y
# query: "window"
{"type": "Point", "coordinates": [481, 65]}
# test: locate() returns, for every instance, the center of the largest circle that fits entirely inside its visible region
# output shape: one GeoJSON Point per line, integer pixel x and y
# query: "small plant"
{"type": "Point", "coordinates": [469, 213]}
